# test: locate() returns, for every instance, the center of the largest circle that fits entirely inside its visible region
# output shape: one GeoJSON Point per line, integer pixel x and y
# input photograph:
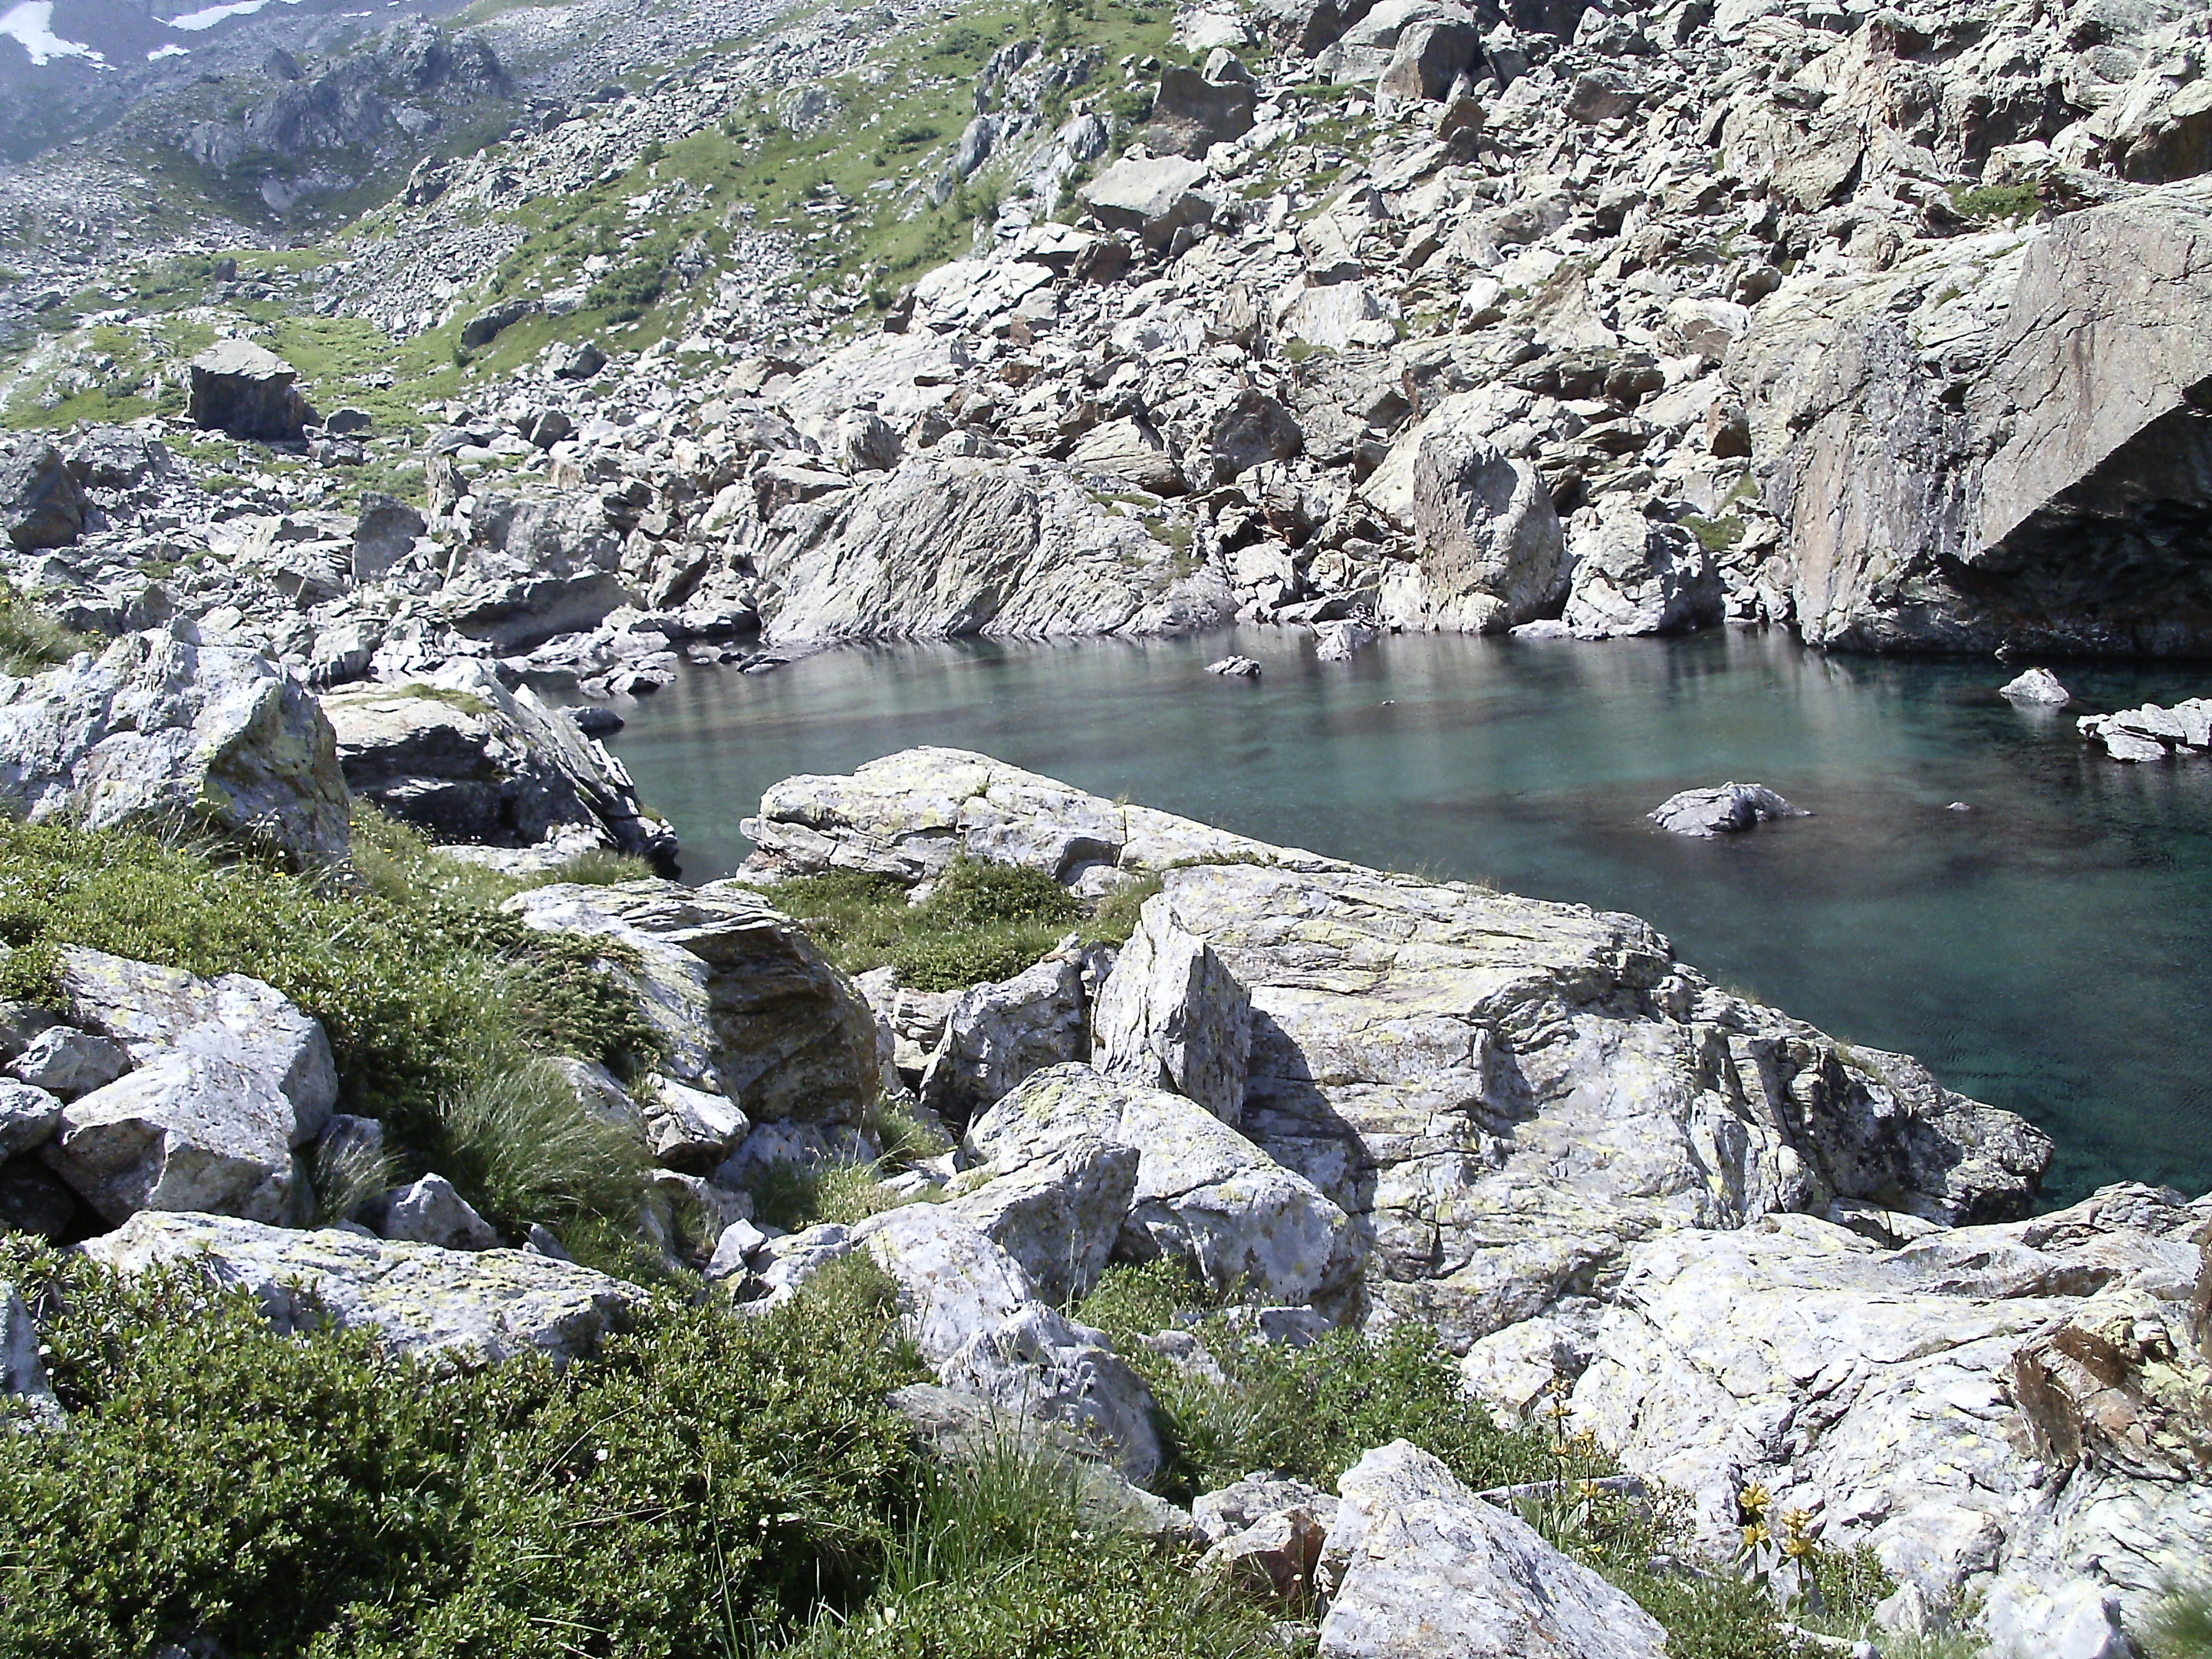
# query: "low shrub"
{"type": "Point", "coordinates": [31, 639]}
{"type": "Point", "coordinates": [2181, 1624]}
{"type": "Point", "coordinates": [707, 1473]}
{"type": "Point", "coordinates": [516, 1132]}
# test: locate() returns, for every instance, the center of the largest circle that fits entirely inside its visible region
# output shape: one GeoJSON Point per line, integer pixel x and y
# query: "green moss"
{"type": "Point", "coordinates": [982, 921]}
{"type": "Point", "coordinates": [1987, 204]}
{"type": "Point", "coordinates": [1715, 535]}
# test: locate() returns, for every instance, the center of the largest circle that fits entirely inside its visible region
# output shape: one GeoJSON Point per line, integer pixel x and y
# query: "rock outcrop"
{"type": "Point", "coordinates": [940, 548]}
{"type": "Point", "coordinates": [248, 391]}
{"type": "Point", "coordinates": [1504, 1095]}
{"type": "Point", "coordinates": [465, 759]}
{"type": "Point", "coordinates": [2011, 1412]}
{"type": "Point", "coordinates": [2000, 441]}
{"type": "Point", "coordinates": [160, 732]}
{"type": "Point", "coordinates": [466, 1307]}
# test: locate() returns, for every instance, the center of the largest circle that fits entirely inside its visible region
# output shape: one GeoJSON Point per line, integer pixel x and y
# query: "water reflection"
{"type": "Point", "coordinates": [2043, 950]}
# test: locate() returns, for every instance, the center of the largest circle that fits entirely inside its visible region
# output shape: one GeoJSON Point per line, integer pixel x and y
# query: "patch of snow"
{"type": "Point", "coordinates": [32, 26]}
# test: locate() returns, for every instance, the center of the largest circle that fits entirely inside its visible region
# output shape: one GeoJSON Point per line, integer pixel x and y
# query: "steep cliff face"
{"type": "Point", "coordinates": [2002, 441]}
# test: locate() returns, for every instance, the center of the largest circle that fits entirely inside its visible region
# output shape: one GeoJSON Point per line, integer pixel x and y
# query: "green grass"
{"type": "Point", "coordinates": [519, 1136]}
{"type": "Point", "coordinates": [1715, 535]}
{"type": "Point", "coordinates": [706, 1475]}
{"type": "Point", "coordinates": [31, 639]}
{"type": "Point", "coordinates": [1991, 204]}
{"type": "Point", "coordinates": [428, 992]}
{"type": "Point", "coordinates": [2181, 1625]}
{"type": "Point", "coordinates": [981, 922]}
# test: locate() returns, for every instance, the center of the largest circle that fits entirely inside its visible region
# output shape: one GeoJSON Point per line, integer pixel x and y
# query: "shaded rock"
{"type": "Point", "coordinates": [969, 1309]}
{"type": "Point", "coordinates": [41, 505]}
{"type": "Point", "coordinates": [68, 1062]}
{"type": "Point", "coordinates": [157, 731]}
{"type": "Point", "coordinates": [1192, 112]}
{"type": "Point", "coordinates": [34, 1199]}
{"type": "Point", "coordinates": [27, 1395]}
{"type": "Point", "coordinates": [1997, 442]}
{"type": "Point", "coordinates": [247, 391]}
{"type": "Point", "coordinates": [1229, 1510]}
{"type": "Point", "coordinates": [1059, 1215]}
{"type": "Point", "coordinates": [1418, 1567]}
{"type": "Point", "coordinates": [1428, 58]}
{"type": "Point", "coordinates": [488, 325]}
{"type": "Point", "coordinates": [28, 1117]}
{"type": "Point", "coordinates": [1171, 1016]}
{"type": "Point", "coordinates": [1724, 810]}
{"type": "Point", "coordinates": [1204, 1193]}
{"type": "Point", "coordinates": [1131, 452]}
{"type": "Point", "coordinates": [470, 1307]}
{"type": "Point", "coordinates": [119, 458]}
{"type": "Point", "coordinates": [1635, 575]}
{"type": "Point", "coordinates": [750, 1006]}
{"type": "Point", "coordinates": [465, 759]}
{"type": "Point", "coordinates": [383, 536]}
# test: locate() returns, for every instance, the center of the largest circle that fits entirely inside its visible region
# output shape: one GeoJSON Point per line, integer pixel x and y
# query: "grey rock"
{"type": "Point", "coordinates": [469, 1308]}
{"type": "Point", "coordinates": [1418, 1567]}
{"type": "Point", "coordinates": [971, 1312]}
{"type": "Point", "coordinates": [1171, 1016]}
{"type": "Point", "coordinates": [29, 1118]}
{"type": "Point", "coordinates": [734, 1248]}
{"type": "Point", "coordinates": [384, 533]}
{"type": "Point", "coordinates": [34, 1199]}
{"type": "Point", "coordinates": [1234, 668]}
{"type": "Point", "coordinates": [1429, 57]}
{"type": "Point", "coordinates": [248, 391]}
{"type": "Point", "coordinates": [488, 324]}
{"type": "Point", "coordinates": [1059, 1215]}
{"type": "Point", "coordinates": [1204, 1193]}
{"type": "Point", "coordinates": [41, 506]}
{"type": "Point", "coordinates": [152, 1010]}
{"type": "Point", "coordinates": [2038, 686]}
{"type": "Point", "coordinates": [185, 1132]}
{"type": "Point", "coordinates": [1229, 1510]}
{"type": "Point", "coordinates": [1953, 472]}
{"type": "Point", "coordinates": [159, 731]}
{"type": "Point", "coordinates": [1192, 112]}
{"type": "Point", "coordinates": [431, 1212]}
{"type": "Point", "coordinates": [1344, 639]}
{"type": "Point", "coordinates": [995, 1036]}
{"type": "Point", "coordinates": [1490, 551]}
{"type": "Point", "coordinates": [68, 1062]}
{"type": "Point", "coordinates": [1723, 811]}
{"type": "Point", "coordinates": [27, 1395]}
{"type": "Point", "coordinates": [1155, 197]}
{"type": "Point", "coordinates": [119, 458]}
{"type": "Point", "coordinates": [751, 1008]}
{"type": "Point", "coordinates": [1635, 575]}
{"type": "Point", "coordinates": [941, 549]}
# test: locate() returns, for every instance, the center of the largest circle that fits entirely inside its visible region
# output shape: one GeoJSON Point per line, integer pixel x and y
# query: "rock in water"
{"type": "Point", "coordinates": [159, 731]}
{"type": "Point", "coordinates": [1418, 1567]}
{"type": "Point", "coordinates": [2150, 732]}
{"type": "Point", "coordinates": [1239, 668]}
{"type": "Point", "coordinates": [247, 391]}
{"type": "Point", "coordinates": [1732, 807]}
{"type": "Point", "coordinates": [473, 1307]}
{"type": "Point", "coordinates": [1340, 641]}
{"type": "Point", "coordinates": [2039, 686]}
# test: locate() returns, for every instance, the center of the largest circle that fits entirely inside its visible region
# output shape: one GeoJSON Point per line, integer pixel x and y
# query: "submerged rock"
{"type": "Point", "coordinates": [1724, 810]}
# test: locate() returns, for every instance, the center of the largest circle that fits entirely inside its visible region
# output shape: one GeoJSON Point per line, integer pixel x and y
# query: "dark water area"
{"type": "Point", "coordinates": [2044, 952]}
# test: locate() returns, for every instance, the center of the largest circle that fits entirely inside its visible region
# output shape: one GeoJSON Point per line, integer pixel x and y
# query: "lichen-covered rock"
{"type": "Point", "coordinates": [186, 1131]}
{"type": "Point", "coordinates": [68, 1062]}
{"type": "Point", "coordinates": [471, 1307]}
{"type": "Point", "coordinates": [750, 1006]}
{"type": "Point", "coordinates": [972, 1313]}
{"type": "Point", "coordinates": [996, 1034]}
{"type": "Point", "coordinates": [1418, 1567]}
{"type": "Point", "coordinates": [158, 731]}
{"type": "Point", "coordinates": [431, 1212]}
{"type": "Point", "coordinates": [1204, 1193]}
{"type": "Point", "coordinates": [2015, 1410]}
{"type": "Point", "coordinates": [1059, 1215]}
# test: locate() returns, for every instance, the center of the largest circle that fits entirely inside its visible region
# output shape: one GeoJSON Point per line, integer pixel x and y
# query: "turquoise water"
{"type": "Point", "coordinates": [2044, 952]}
